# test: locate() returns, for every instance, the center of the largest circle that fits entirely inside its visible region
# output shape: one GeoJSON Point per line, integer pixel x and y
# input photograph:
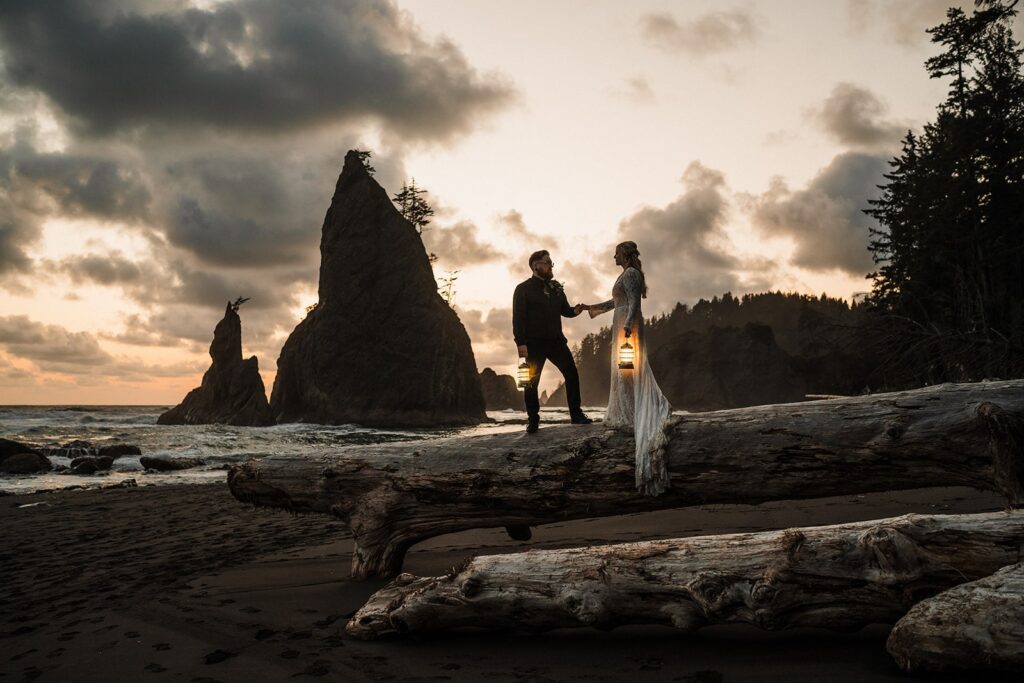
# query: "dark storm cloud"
{"type": "Point", "coordinates": [684, 248]}
{"type": "Point", "coordinates": [855, 116]}
{"type": "Point", "coordinates": [34, 185]}
{"type": "Point", "coordinates": [825, 218]}
{"type": "Point", "coordinates": [108, 270]}
{"type": "Point", "coordinates": [707, 34]}
{"type": "Point", "coordinates": [459, 245]}
{"type": "Point", "coordinates": [256, 65]}
{"type": "Point", "coordinates": [49, 346]}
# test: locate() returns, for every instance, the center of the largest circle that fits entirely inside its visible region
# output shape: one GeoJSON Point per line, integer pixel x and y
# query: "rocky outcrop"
{"type": "Point", "coordinates": [120, 450]}
{"type": "Point", "coordinates": [500, 392]}
{"type": "Point", "coordinates": [18, 458]}
{"type": "Point", "coordinates": [25, 463]}
{"type": "Point", "coordinates": [232, 391]}
{"type": "Point", "coordinates": [381, 347]}
{"type": "Point", "coordinates": [90, 464]}
{"type": "Point", "coordinates": [169, 464]}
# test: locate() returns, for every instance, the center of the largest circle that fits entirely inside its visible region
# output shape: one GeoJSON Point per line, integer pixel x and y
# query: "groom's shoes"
{"type": "Point", "coordinates": [532, 426]}
{"type": "Point", "coordinates": [580, 419]}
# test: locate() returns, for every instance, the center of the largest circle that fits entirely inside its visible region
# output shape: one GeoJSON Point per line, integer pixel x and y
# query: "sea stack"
{"type": "Point", "coordinates": [232, 391]}
{"type": "Point", "coordinates": [381, 347]}
{"type": "Point", "coordinates": [500, 392]}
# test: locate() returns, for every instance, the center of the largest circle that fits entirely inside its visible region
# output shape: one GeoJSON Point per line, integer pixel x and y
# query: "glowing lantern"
{"type": "Point", "coordinates": [626, 356]}
{"type": "Point", "coordinates": [524, 375]}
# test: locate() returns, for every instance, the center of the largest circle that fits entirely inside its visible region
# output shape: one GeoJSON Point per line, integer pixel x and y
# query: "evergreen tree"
{"type": "Point", "coordinates": [950, 252]}
{"type": "Point", "coordinates": [413, 206]}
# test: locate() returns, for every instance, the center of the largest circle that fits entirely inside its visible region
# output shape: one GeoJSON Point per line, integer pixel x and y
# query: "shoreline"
{"type": "Point", "coordinates": [183, 581]}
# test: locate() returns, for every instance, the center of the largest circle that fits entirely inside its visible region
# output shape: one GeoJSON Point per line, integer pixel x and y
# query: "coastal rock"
{"type": "Point", "coordinates": [25, 463]}
{"type": "Point", "coordinates": [232, 391]}
{"type": "Point", "coordinates": [91, 464]}
{"type": "Point", "coordinates": [380, 347]}
{"type": "Point", "coordinates": [500, 392]}
{"type": "Point", "coordinates": [169, 464]}
{"type": "Point", "coordinates": [726, 367]}
{"type": "Point", "coordinates": [116, 451]}
{"type": "Point", "coordinates": [71, 449]}
{"type": "Point", "coordinates": [9, 448]}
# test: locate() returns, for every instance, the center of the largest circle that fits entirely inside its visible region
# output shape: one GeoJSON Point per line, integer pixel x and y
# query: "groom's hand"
{"type": "Point", "coordinates": [578, 308]}
{"type": "Point", "coordinates": [522, 350]}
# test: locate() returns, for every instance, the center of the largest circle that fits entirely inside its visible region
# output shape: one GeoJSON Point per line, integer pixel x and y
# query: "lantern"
{"type": "Point", "coordinates": [524, 375]}
{"type": "Point", "coordinates": [626, 356]}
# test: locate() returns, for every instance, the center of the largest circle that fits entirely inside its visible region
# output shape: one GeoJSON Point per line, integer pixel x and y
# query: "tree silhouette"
{"type": "Point", "coordinates": [413, 207]}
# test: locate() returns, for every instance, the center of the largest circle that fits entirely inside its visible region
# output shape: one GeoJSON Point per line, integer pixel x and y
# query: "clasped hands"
{"type": "Point", "coordinates": [579, 308]}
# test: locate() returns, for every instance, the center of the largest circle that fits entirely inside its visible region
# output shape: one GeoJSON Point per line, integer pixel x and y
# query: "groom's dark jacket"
{"type": "Point", "coordinates": [537, 309]}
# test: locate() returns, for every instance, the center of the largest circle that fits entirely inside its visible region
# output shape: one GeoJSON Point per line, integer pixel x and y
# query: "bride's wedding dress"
{"type": "Point", "coordinates": [635, 401]}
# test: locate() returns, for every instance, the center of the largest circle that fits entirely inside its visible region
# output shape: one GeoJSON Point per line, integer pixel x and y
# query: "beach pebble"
{"type": "Point", "coordinates": [168, 464]}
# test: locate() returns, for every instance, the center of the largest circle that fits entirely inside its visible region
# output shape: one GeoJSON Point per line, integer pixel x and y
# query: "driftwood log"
{"type": "Point", "coordinates": [840, 577]}
{"type": "Point", "coordinates": [395, 495]}
{"type": "Point", "coordinates": [976, 625]}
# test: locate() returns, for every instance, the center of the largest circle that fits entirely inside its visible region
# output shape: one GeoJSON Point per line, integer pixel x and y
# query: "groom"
{"type": "Point", "coordinates": [537, 309]}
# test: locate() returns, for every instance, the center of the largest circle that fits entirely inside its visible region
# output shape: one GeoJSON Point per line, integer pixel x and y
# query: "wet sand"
{"type": "Point", "coordinates": [185, 583]}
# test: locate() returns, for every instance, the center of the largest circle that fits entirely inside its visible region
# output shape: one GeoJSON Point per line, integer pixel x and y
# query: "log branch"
{"type": "Point", "coordinates": [840, 577]}
{"type": "Point", "coordinates": [395, 495]}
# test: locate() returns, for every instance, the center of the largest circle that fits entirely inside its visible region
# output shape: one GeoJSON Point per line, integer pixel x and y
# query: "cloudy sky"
{"type": "Point", "coordinates": [158, 158]}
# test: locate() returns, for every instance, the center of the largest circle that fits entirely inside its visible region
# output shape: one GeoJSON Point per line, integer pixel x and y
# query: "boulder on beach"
{"type": "Point", "coordinates": [9, 447]}
{"type": "Point", "coordinates": [25, 463]}
{"type": "Point", "coordinates": [380, 347]}
{"type": "Point", "coordinates": [116, 451]}
{"type": "Point", "coordinates": [500, 391]}
{"type": "Point", "coordinates": [91, 463]}
{"type": "Point", "coordinates": [232, 391]}
{"type": "Point", "coordinates": [169, 464]}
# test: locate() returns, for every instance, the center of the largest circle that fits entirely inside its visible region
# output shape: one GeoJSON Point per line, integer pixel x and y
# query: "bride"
{"type": "Point", "coordinates": [635, 401]}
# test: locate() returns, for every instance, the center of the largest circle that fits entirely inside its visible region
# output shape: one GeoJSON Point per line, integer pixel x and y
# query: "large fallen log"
{"type": "Point", "coordinates": [395, 495]}
{"type": "Point", "coordinates": [840, 577]}
{"type": "Point", "coordinates": [976, 625]}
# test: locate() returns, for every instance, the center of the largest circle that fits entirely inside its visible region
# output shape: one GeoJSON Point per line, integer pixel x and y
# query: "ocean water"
{"type": "Point", "coordinates": [219, 446]}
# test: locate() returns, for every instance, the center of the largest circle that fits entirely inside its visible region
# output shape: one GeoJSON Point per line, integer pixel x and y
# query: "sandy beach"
{"type": "Point", "coordinates": [185, 583]}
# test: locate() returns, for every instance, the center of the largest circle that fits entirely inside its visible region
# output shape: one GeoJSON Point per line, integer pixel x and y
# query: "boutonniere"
{"type": "Point", "coordinates": [555, 286]}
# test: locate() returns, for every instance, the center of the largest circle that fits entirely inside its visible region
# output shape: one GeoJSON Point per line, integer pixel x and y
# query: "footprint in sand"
{"type": "Point", "coordinates": [320, 667]}
{"type": "Point", "coordinates": [68, 635]}
{"type": "Point", "coordinates": [155, 668]}
{"type": "Point", "coordinates": [132, 634]}
{"type": "Point", "coordinates": [265, 633]}
{"type": "Point", "coordinates": [56, 653]}
{"type": "Point", "coordinates": [163, 647]}
{"type": "Point", "coordinates": [106, 646]}
{"type": "Point", "coordinates": [218, 656]}
{"type": "Point", "coordinates": [290, 654]}
{"type": "Point", "coordinates": [22, 654]}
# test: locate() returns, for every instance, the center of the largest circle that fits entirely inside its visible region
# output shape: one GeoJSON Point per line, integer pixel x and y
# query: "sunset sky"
{"type": "Point", "coordinates": [160, 158]}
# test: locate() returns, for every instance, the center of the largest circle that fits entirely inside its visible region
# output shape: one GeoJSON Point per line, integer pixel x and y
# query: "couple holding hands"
{"type": "Point", "coordinates": [635, 402]}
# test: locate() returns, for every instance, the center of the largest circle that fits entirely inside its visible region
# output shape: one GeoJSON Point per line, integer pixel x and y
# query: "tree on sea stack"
{"type": "Point", "coordinates": [413, 207]}
{"type": "Point", "coordinates": [380, 347]}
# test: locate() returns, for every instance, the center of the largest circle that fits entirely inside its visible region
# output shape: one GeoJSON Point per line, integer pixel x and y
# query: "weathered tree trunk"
{"type": "Point", "coordinates": [395, 495]}
{"type": "Point", "coordinates": [976, 625]}
{"type": "Point", "coordinates": [840, 577]}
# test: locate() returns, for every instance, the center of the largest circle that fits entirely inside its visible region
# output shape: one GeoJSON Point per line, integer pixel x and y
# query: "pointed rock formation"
{"type": "Point", "coordinates": [380, 347]}
{"type": "Point", "coordinates": [500, 392]}
{"type": "Point", "coordinates": [232, 391]}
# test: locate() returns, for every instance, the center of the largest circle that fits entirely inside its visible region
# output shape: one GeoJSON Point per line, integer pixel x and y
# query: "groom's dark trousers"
{"type": "Point", "coordinates": [556, 351]}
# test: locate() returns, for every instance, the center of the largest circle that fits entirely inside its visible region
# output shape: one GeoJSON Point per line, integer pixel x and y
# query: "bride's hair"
{"type": "Point", "coordinates": [632, 257]}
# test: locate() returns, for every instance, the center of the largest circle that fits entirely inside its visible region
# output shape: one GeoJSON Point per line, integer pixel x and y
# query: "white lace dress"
{"type": "Point", "coordinates": [635, 401]}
